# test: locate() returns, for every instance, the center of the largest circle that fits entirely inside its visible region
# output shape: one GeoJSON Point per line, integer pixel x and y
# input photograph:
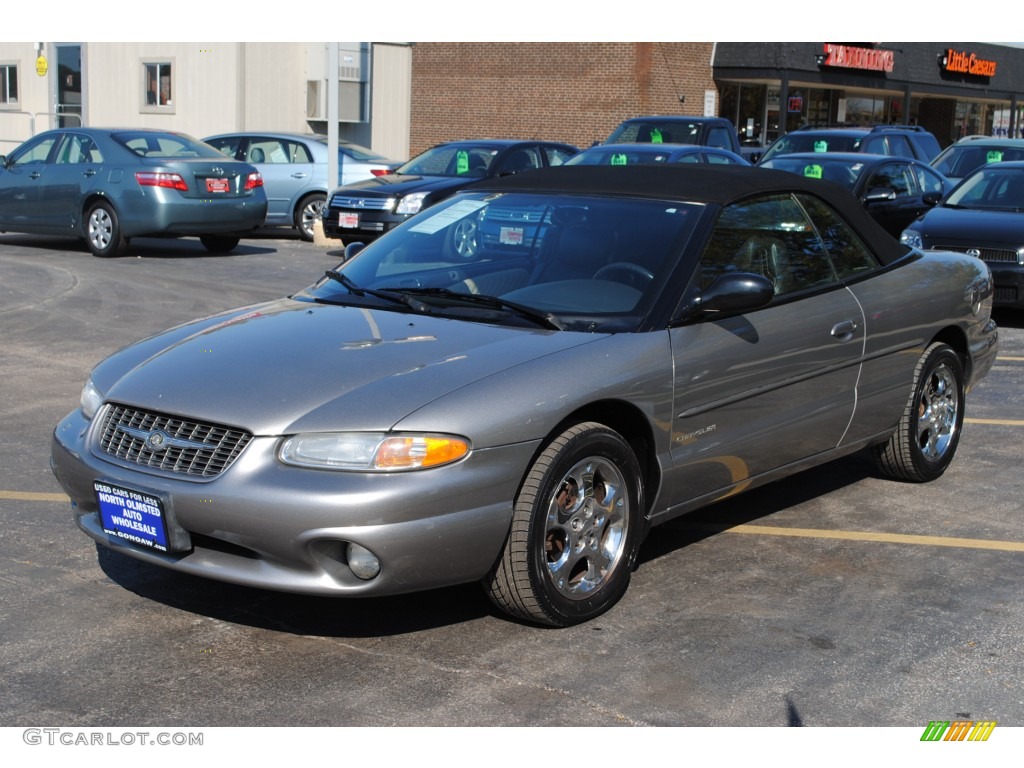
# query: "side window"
{"type": "Point", "coordinates": [34, 154]}
{"type": "Point", "coordinates": [894, 176]}
{"type": "Point", "coordinates": [848, 254]}
{"type": "Point", "coordinates": [557, 155]}
{"type": "Point", "coordinates": [875, 145]}
{"type": "Point", "coordinates": [720, 137]}
{"type": "Point", "coordinates": [265, 150]}
{"type": "Point", "coordinates": [78, 149]}
{"type": "Point", "coordinates": [690, 157]}
{"type": "Point", "coordinates": [227, 146]}
{"type": "Point", "coordinates": [900, 146]}
{"type": "Point", "coordinates": [928, 180]}
{"type": "Point", "coordinates": [772, 237]}
{"type": "Point", "coordinates": [719, 159]}
{"type": "Point", "coordinates": [298, 153]}
{"type": "Point", "coordinates": [522, 159]}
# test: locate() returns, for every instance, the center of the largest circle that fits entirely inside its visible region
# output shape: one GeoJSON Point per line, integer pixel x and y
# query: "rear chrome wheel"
{"type": "Point", "coordinates": [928, 433]}
{"type": "Point", "coordinates": [575, 530]}
{"type": "Point", "coordinates": [309, 210]}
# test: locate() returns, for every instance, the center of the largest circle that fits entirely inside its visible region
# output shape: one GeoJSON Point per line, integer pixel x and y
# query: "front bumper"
{"type": "Point", "coordinates": [1009, 284]}
{"type": "Point", "coordinates": [264, 524]}
{"type": "Point", "coordinates": [358, 225]}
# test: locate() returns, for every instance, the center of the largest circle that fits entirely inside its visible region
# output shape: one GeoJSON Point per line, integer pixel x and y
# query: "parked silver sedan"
{"type": "Point", "coordinates": [620, 346]}
{"type": "Point", "coordinates": [294, 170]}
{"type": "Point", "coordinates": [107, 186]}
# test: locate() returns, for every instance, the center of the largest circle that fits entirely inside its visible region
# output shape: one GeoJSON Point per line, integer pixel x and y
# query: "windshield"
{"type": "Point", "coordinates": [654, 132]}
{"type": "Point", "coordinates": [990, 188]}
{"type": "Point", "coordinates": [461, 160]}
{"type": "Point", "coordinates": [959, 161]}
{"type": "Point", "coordinates": [606, 155]}
{"type": "Point", "coordinates": [842, 172]}
{"type": "Point", "coordinates": [800, 141]}
{"type": "Point", "coordinates": [582, 262]}
{"type": "Point", "coordinates": [153, 144]}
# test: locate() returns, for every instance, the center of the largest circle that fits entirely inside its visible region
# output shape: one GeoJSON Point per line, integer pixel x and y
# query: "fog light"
{"type": "Point", "coordinates": [362, 561]}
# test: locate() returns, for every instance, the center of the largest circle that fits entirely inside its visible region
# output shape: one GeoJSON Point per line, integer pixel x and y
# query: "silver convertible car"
{"type": "Point", "coordinates": [516, 384]}
{"type": "Point", "coordinates": [107, 186]}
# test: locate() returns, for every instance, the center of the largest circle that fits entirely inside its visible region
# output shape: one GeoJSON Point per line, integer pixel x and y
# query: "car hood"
{"type": "Point", "coordinates": [956, 226]}
{"type": "Point", "coordinates": [290, 366]}
{"type": "Point", "coordinates": [391, 185]}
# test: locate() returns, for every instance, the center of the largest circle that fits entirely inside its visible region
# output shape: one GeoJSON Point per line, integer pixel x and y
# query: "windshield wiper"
{"type": "Point", "coordinates": [391, 296]}
{"type": "Point", "coordinates": [543, 319]}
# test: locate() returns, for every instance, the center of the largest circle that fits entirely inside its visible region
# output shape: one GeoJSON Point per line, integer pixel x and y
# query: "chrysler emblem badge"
{"type": "Point", "coordinates": [156, 440]}
{"type": "Point", "coordinates": [975, 252]}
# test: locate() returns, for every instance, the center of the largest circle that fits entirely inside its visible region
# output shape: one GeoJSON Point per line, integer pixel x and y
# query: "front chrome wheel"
{"type": "Point", "coordinates": [585, 528]}
{"type": "Point", "coordinates": [311, 210]}
{"type": "Point", "coordinates": [576, 528]}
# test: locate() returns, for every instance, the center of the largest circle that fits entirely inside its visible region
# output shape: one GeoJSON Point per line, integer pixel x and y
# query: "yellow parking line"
{"type": "Point", "coordinates": [26, 496]}
{"type": "Point", "coordinates": [888, 538]}
{"type": "Point", "coordinates": [1002, 422]}
{"type": "Point", "coordinates": [1013, 359]}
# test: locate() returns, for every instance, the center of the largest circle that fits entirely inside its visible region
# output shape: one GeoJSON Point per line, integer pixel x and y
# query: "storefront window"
{"type": "Point", "coordinates": [744, 104]}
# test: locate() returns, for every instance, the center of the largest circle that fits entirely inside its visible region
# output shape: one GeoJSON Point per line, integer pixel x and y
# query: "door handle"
{"type": "Point", "coordinates": [298, 175]}
{"type": "Point", "coordinates": [89, 173]}
{"type": "Point", "coordinates": [35, 175]}
{"type": "Point", "coordinates": [844, 331]}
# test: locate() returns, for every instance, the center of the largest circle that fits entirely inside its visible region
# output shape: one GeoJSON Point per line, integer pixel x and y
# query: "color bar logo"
{"type": "Point", "coordinates": [958, 730]}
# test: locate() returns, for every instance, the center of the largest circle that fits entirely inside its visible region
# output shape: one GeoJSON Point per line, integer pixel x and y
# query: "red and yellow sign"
{"type": "Point", "coordinates": [967, 63]}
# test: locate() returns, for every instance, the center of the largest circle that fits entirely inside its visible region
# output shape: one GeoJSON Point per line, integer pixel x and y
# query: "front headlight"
{"type": "Point", "coordinates": [372, 451]}
{"type": "Point", "coordinates": [411, 203]}
{"type": "Point", "coordinates": [91, 400]}
{"type": "Point", "coordinates": [912, 238]}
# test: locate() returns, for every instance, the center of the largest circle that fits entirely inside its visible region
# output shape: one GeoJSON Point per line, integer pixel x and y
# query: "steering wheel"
{"type": "Point", "coordinates": [634, 273]}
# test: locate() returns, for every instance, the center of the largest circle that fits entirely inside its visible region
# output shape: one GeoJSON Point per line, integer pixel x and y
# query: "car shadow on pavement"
{"type": "Point", "coordinates": [296, 614]}
{"type": "Point", "coordinates": [402, 614]}
{"type": "Point", "coordinates": [141, 247]}
{"type": "Point", "coordinates": [756, 504]}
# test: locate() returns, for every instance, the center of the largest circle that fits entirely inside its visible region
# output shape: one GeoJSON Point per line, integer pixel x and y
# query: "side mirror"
{"type": "Point", "coordinates": [730, 293]}
{"type": "Point", "coordinates": [352, 249]}
{"type": "Point", "coordinates": [931, 198]}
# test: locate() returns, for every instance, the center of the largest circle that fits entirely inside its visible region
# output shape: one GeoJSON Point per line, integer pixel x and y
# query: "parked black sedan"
{"type": "Point", "coordinates": [894, 190]}
{"type": "Point", "coordinates": [983, 217]}
{"type": "Point", "coordinates": [363, 211]}
{"type": "Point", "coordinates": [109, 185]}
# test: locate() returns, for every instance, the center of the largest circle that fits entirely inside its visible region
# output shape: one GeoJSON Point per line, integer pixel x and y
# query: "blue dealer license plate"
{"type": "Point", "coordinates": [131, 515]}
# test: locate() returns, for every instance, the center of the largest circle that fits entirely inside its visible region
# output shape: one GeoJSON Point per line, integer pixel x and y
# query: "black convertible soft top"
{"type": "Point", "coordinates": [717, 185]}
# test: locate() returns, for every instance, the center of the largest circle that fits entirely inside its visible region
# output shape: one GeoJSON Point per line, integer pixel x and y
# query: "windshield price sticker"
{"type": "Point", "coordinates": [449, 215]}
{"type": "Point", "coordinates": [131, 515]}
{"type": "Point", "coordinates": [821, 146]}
{"type": "Point", "coordinates": [813, 171]}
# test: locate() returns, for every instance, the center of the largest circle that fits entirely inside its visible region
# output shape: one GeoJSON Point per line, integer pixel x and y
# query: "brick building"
{"type": "Point", "coordinates": [573, 92]}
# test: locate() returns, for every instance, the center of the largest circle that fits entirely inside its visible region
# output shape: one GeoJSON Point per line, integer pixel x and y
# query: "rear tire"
{"type": "Point", "coordinates": [219, 243]}
{"type": "Point", "coordinates": [576, 528]}
{"type": "Point", "coordinates": [307, 212]}
{"type": "Point", "coordinates": [103, 231]}
{"type": "Point", "coordinates": [926, 439]}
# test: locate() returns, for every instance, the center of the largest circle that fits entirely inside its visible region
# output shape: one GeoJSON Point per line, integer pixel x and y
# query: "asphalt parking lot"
{"type": "Point", "coordinates": [833, 598]}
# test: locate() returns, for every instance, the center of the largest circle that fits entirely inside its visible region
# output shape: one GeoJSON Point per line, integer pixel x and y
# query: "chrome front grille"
{"type": "Point", "coordinates": [995, 255]}
{"type": "Point", "coordinates": [169, 443]}
{"type": "Point", "coordinates": [363, 203]}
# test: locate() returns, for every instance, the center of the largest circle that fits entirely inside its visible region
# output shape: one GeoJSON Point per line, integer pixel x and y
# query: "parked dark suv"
{"type": "Point", "coordinates": [897, 140]}
{"type": "Point", "coordinates": [677, 129]}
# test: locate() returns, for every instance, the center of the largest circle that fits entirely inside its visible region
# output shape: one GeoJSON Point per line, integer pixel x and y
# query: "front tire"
{"type": "Point", "coordinates": [307, 212]}
{"type": "Point", "coordinates": [103, 231]}
{"type": "Point", "coordinates": [219, 243]}
{"type": "Point", "coordinates": [576, 529]}
{"type": "Point", "coordinates": [926, 439]}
